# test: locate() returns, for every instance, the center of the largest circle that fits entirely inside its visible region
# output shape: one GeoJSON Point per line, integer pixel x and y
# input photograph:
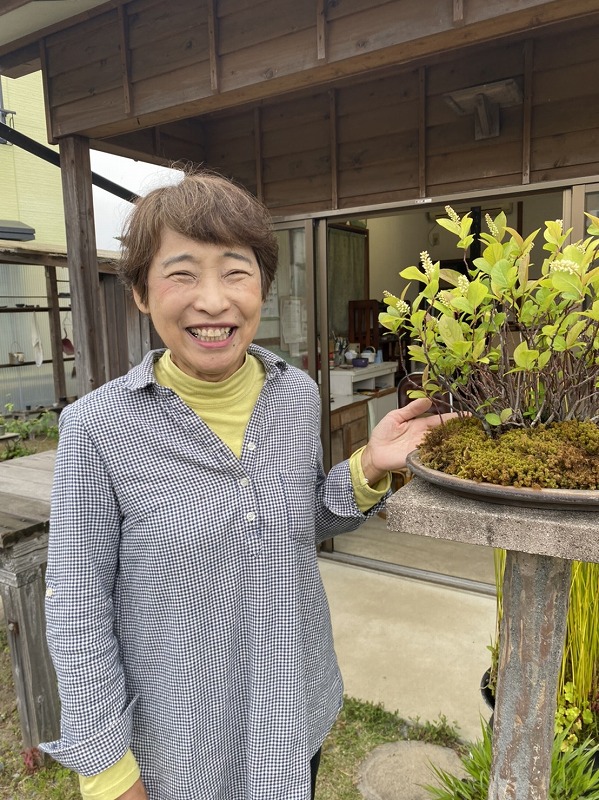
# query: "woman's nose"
{"type": "Point", "coordinates": [211, 296]}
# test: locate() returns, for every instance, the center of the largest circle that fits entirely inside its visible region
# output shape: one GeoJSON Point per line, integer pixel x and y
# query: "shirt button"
{"type": "Point", "coordinates": [251, 445]}
{"type": "Point", "coordinates": [49, 592]}
{"type": "Point", "coordinates": [244, 482]}
{"type": "Point", "coordinates": [250, 516]}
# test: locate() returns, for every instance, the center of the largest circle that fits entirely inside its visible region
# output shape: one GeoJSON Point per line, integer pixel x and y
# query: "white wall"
{"type": "Point", "coordinates": [396, 241]}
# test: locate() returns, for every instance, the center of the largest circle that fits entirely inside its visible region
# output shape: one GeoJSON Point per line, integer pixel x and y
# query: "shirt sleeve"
{"type": "Point", "coordinates": [110, 784]}
{"type": "Point", "coordinates": [366, 495]}
{"type": "Point", "coordinates": [96, 713]}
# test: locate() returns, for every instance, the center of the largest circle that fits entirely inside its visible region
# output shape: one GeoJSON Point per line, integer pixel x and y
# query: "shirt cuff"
{"type": "Point", "coordinates": [112, 782]}
{"type": "Point", "coordinates": [365, 494]}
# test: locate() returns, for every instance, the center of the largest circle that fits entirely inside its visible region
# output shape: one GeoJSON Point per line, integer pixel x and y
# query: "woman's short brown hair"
{"type": "Point", "coordinates": [203, 206]}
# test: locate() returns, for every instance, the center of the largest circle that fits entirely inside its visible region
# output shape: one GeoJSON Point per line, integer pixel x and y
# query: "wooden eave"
{"type": "Point", "coordinates": [327, 73]}
{"type": "Point", "coordinates": [21, 56]}
{"type": "Point", "coordinates": [471, 23]}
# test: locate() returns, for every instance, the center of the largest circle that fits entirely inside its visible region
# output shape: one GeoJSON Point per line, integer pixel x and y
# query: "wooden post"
{"type": "Point", "coordinates": [60, 385]}
{"type": "Point", "coordinates": [535, 606]}
{"type": "Point", "coordinates": [82, 263]}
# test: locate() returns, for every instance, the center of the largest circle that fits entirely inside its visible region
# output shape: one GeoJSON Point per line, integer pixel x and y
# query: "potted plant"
{"type": "Point", "coordinates": [514, 340]}
{"type": "Point", "coordinates": [517, 351]}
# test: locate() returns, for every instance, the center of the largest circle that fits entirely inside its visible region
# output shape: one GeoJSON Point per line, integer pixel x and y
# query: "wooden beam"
{"type": "Point", "coordinates": [125, 58]}
{"type": "Point", "coordinates": [43, 56]}
{"type": "Point", "coordinates": [527, 110]}
{"type": "Point", "coordinates": [213, 46]}
{"type": "Point", "coordinates": [83, 263]}
{"type": "Point", "coordinates": [258, 154]}
{"type": "Point", "coordinates": [422, 131]}
{"type": "Point", "coordinates": [333, 148]}
{"type": "Point", "coordinates": [157, 140]}
{"type": "Point", "coordinates": [321, 30]}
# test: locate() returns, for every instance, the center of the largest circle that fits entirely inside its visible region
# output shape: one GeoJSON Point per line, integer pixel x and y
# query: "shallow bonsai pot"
{"type": "Point", "coordinates": [569, 499]}
{"type": "Point", "coordinates": [360, 362]}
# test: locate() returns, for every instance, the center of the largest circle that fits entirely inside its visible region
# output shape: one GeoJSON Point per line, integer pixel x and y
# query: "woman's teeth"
{"type": "Point", "coordinates": [211, 334]}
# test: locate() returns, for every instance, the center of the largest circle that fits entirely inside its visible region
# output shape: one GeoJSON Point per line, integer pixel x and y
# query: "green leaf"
{"type": "Point", "coordinates": [567, 284]}
{"type": "Point", "coordinates": [503, 276]}
{"type": "Point", "coordinates": [558, 345]}
{"type": "Point", "coordinates": [390, 321]}
{"type": "Point", "coordinates": [477, 292]}
{"type": "Point", "coordinates": [414, 274]}
{"type": "Point", "coordinates": [450, 331]}
{"type": "Point", "coordinates": [450, 225]}
{"type": "Point", "coordinates": [450, 276]}
{"type": "Point", "coordinates": [525, 358]}
{"type": "Point", "coordinates": [462, 304]}
{"type": "Point", "coordinates": [575, 331]}
{"type": "Point", "coordinates": [505, 414]}
{"type": "Point", "coordinates": [461, 349]}
{"type": "Point", "coordinates": [493, 419]}
{"type": "Point", "coordinates": [493, 253]}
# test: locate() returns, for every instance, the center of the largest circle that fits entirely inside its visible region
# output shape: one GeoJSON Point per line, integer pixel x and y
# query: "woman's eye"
{"type": "Point", "coordinates": [182, 276]}
{"type": "Point", "coordinates": [237, 273]}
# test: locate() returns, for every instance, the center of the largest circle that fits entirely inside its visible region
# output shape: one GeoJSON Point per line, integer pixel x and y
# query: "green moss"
{"type": "Point", "coordinates": [564, 455]}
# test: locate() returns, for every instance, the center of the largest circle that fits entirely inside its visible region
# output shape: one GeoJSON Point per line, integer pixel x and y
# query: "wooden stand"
{"type": "Point", "coordinates": [541, 546]}
{"type": "Point", "coordinates": [23, 556]}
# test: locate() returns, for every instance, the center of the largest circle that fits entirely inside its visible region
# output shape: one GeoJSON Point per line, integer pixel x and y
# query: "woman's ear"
{"type": "Point", "coordinates": [143, 307]}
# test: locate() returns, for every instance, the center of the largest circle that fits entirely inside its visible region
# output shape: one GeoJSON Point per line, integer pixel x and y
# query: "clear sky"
{"type": "Point", "coordinates": [110, 211]}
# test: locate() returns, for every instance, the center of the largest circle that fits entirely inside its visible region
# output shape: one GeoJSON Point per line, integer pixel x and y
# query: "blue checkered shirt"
{"type": "Point", "coordinates": [186, 616]}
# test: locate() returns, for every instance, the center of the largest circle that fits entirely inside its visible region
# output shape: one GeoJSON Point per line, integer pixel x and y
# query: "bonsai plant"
{"type": "Point", "coordinates": [516, 346]}
{"type": "Point", "coordinates": [517, 352]}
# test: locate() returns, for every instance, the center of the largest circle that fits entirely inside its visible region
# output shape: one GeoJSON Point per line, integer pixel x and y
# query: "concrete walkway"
{"type": "Point", "coordinates": [418, 649]}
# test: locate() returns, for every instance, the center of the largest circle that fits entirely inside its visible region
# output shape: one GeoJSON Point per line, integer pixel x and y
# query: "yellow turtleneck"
{"type": "Point", "coordinates": [225, 406]}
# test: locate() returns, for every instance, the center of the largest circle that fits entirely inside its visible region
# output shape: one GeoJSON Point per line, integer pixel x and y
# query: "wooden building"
{"type": "Point", "coordinates": [328, 110]}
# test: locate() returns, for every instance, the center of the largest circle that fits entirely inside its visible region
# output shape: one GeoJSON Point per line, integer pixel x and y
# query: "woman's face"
{"type": "Point", "coordinates": [205, 302]}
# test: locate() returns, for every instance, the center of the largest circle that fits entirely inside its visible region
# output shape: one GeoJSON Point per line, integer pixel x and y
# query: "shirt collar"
{"type": "Point", "coordinates": [143, 374]}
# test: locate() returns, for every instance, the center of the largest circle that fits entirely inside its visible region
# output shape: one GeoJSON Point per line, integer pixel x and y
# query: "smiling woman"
{"type": "Point", "coordinates": [185, 611]}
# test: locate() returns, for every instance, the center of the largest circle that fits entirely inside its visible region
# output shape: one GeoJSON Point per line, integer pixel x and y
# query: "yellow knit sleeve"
{"type": "Point", "coordinates": [366, 495]}
{"type": "Point", "coordinates": [111, 783]}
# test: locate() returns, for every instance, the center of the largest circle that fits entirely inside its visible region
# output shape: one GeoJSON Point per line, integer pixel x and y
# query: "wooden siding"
{"type": "Point", "coordinates": [565, 130]}
{"type": "Point", "coordinates": [296, 153]}
{"type": "Point", "coordinates": [378, 140]}
{"type": "Point", "coordinates": [151, 62]}
{"type": "Point", "coordinates": [376, 150]}
{"type": "Point", "coordinates": [384, 136]}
